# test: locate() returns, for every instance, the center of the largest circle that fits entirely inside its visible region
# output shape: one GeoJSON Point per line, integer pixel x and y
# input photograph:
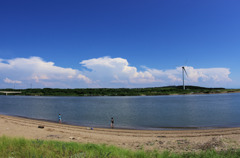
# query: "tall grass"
{"type": "Point", "coordinates": [23, 148]}
{"type": "Point", "coordinates": [20, 147]}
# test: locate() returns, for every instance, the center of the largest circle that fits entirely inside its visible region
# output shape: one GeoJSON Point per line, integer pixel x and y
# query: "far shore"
{"type": "Point", "coordinates": [171, 140]}
{"type": "Point", "coordinates": [151, 91]}
{"type": "Point", "coordinates": [223, 92]}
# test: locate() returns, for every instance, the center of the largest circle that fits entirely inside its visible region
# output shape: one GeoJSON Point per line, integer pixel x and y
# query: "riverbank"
{"type": "Point", "coordinates": [176, 140]}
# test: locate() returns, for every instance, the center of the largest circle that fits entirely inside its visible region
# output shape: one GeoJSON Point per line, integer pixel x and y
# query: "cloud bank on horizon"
{"type": "Point", "coordinates": [103, 72]}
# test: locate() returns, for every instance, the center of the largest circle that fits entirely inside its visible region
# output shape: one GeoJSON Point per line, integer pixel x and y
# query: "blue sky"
{"type": "Point", "coordinates": [127, 43]}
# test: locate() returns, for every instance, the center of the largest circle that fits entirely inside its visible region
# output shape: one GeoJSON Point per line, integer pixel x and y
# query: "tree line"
{"type": "Point", "coordinates": [152, 91]}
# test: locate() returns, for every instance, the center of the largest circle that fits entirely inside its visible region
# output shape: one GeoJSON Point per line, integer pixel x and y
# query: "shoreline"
{"type": "Point", "coordinates": [125, 95]}
{"type": "Point", "coordinates": [164, 128]}
{"type": "Point", "coordinates": [191, 140]}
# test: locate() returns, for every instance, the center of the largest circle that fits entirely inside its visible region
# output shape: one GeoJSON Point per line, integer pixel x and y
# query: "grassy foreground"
{"type": "Point", "coordinates": [20, 147]}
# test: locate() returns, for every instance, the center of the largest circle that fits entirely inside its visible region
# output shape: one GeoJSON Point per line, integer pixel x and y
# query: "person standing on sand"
{"type": "Point", "coordinates": [112, 122]}
{"type": "Point", "coordinates": [59, 118]}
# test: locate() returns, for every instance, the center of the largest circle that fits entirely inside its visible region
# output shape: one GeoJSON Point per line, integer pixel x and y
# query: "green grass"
{"type": "Point", "coordinates": [23, 148]}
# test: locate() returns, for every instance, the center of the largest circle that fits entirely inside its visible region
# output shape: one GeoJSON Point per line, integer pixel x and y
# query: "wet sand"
{"type": "Point", "coordinates": [171, 140]}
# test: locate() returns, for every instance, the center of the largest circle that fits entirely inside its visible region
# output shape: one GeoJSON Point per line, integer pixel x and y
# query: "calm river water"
{"type": "Point", "coordinates": [141, 112]}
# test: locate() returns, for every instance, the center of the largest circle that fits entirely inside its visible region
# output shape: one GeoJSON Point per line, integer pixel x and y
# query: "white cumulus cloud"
{"type": "Point", "coordinates": [42, 73]}
{"type": "Point", "coordinates": [103, 72]}
{"type": "Point", "coordinates": [117, 70]}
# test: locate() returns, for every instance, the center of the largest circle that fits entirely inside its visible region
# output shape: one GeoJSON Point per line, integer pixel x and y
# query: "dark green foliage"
{"type": "Point", "coordinates": [170, 90]}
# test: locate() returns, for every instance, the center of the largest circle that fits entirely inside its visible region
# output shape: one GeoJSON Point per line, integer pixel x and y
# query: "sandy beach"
{"type": "Point", "coordinates": [171, 140]}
